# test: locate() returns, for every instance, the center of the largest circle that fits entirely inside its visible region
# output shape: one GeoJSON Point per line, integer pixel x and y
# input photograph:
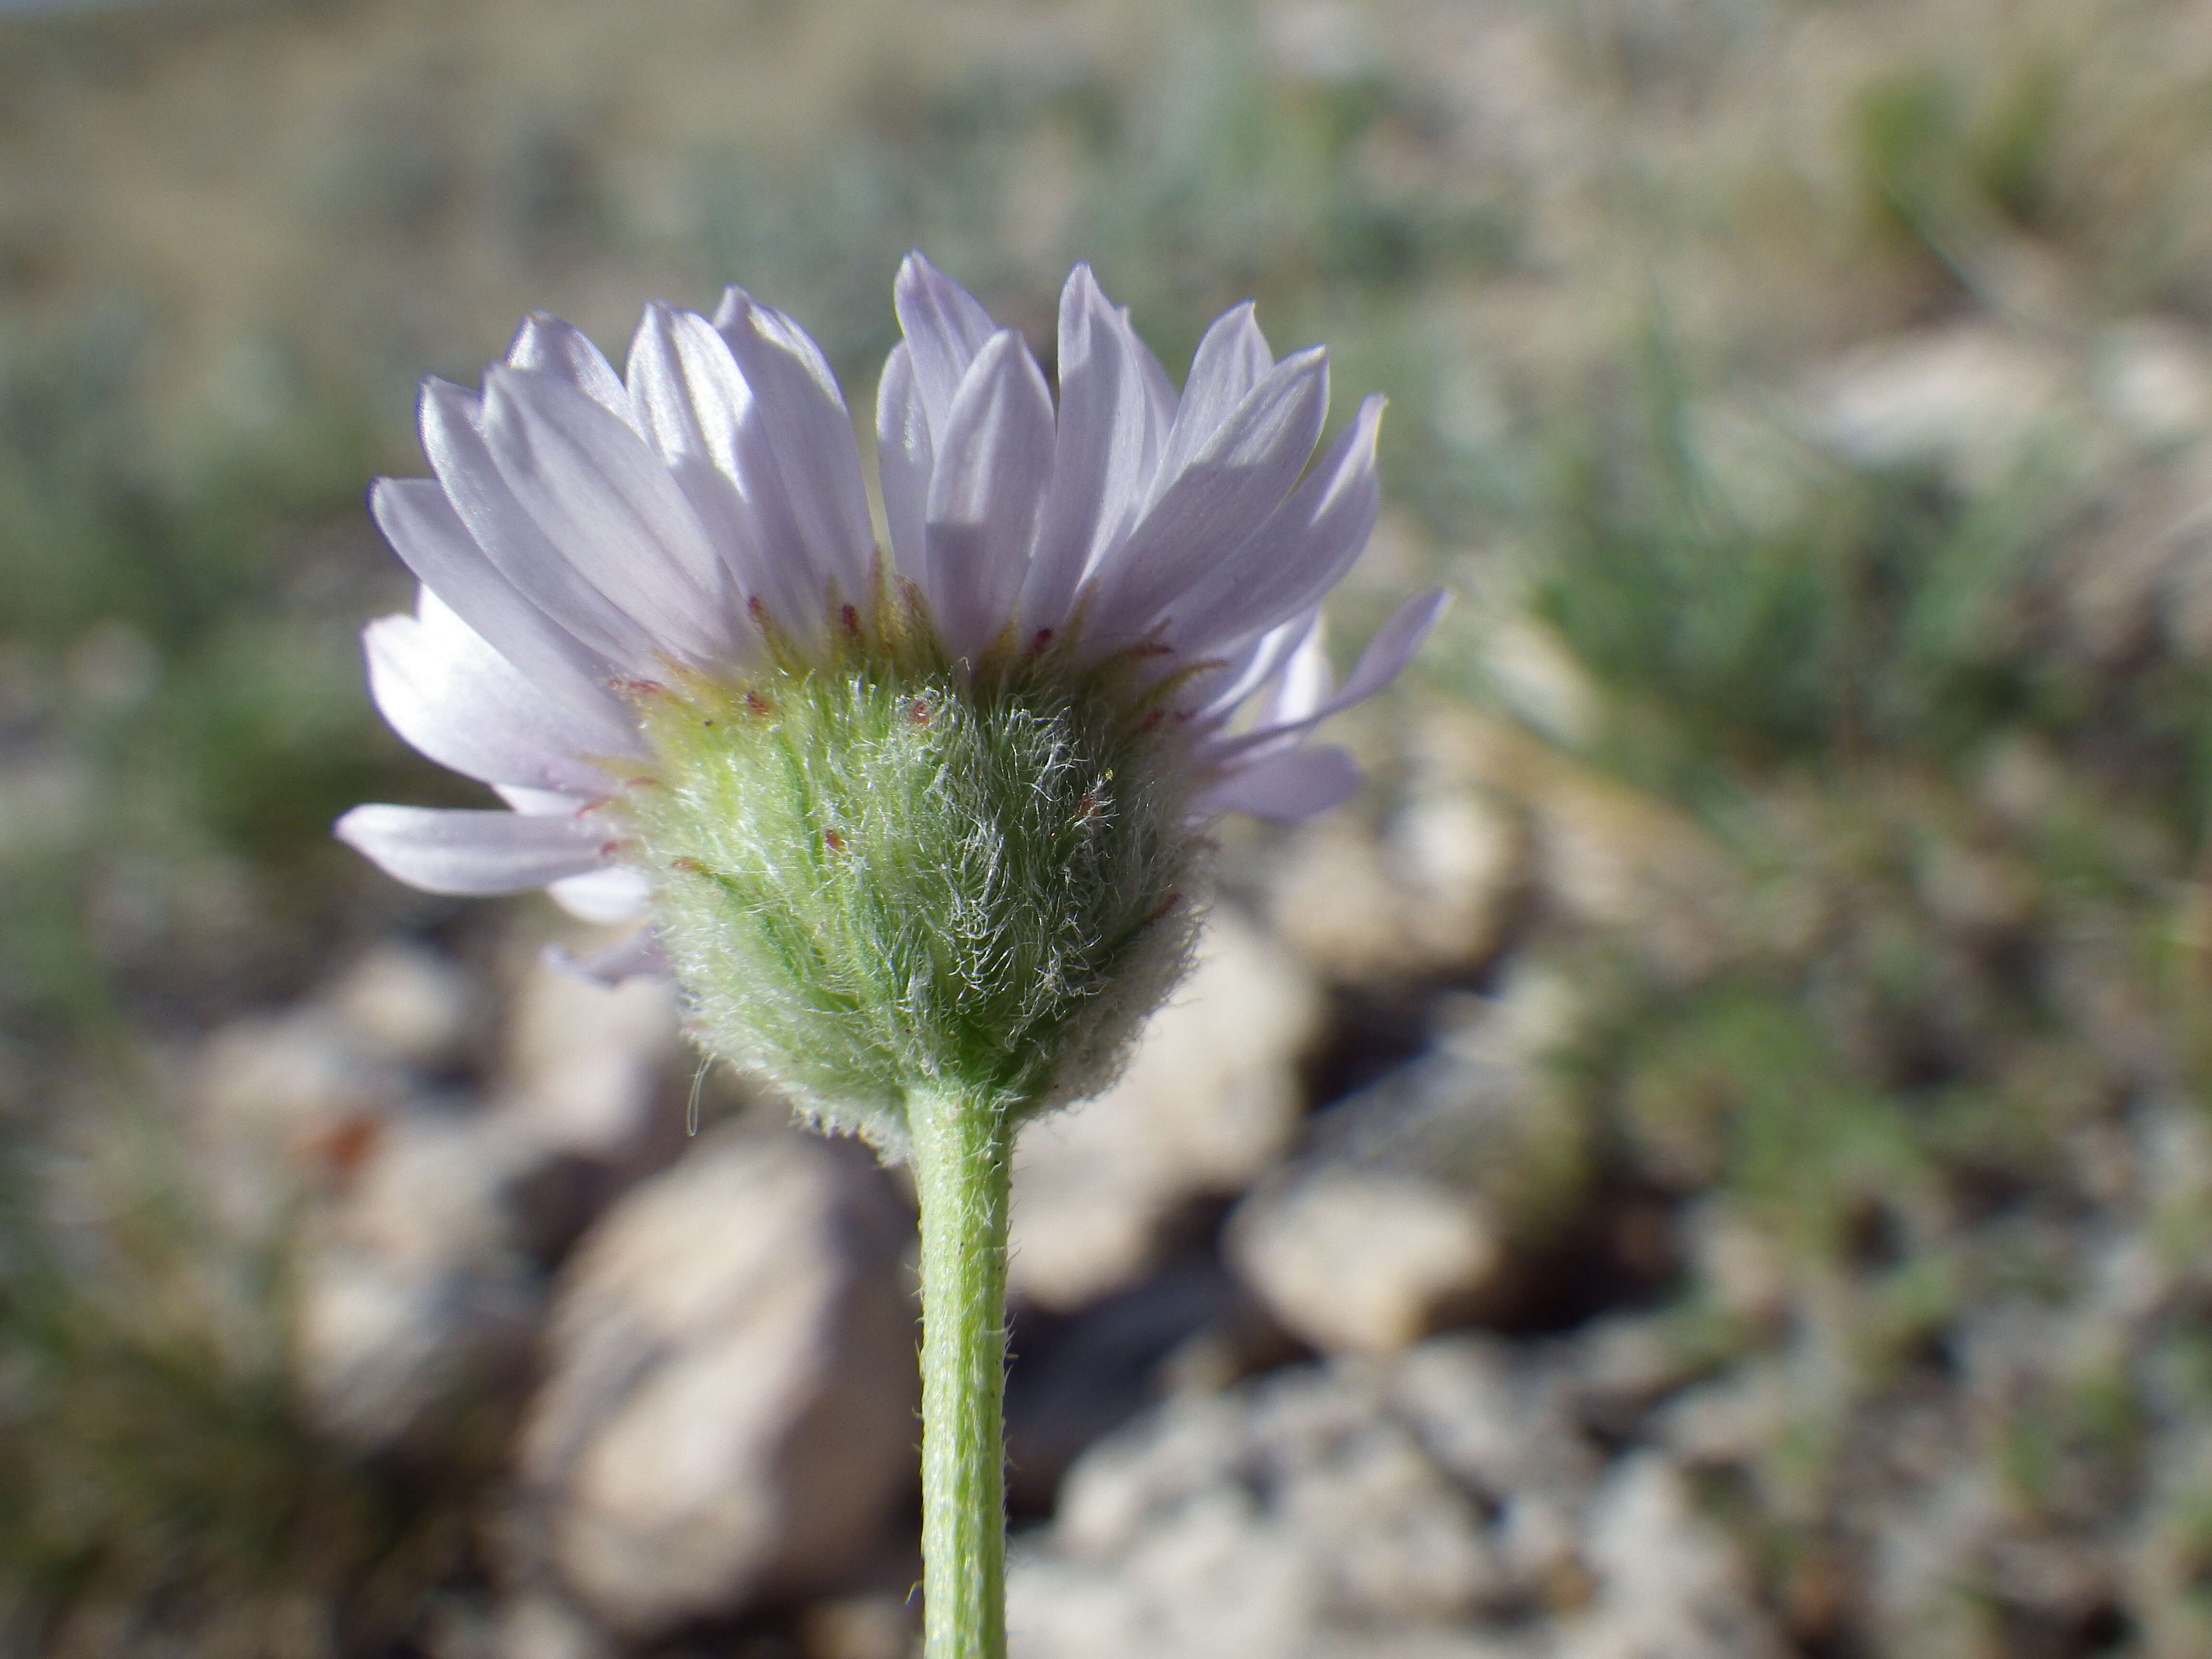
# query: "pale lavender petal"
{"type": "Point", "coordinates": [688, 403]}
{"type": "Point", "coordinates": [1212, 510]}
{"type": "Point", "coordinates": [459, 702]}
{"type": "Point", "coordinates": [990, 478]}
{"type": "Point", "coordinates": [604, 726]}
{"type": "Point", "coordinates": [1295, 784]}
{"type": "Point", "coordinates": [511, 539]}
{"type": "Point", "coordinates": [638, 955]}
{"type": "Point", "coordinates": [546, 344]}
{"type": "Point", "coordinates": [608, 506]}
{"type": "Point", "coordinates": [1304, 683]}
{"type": "Point", "coordinates": [419, 521]}
{"type": "Point", "coordinates": [620, 892]}
{"type": "Point", "coordinates": [798, 457]}
{"type": "Point", "coordinates": [473, 852]}
{"type": "Point", "coordinates": [1389, 651]}
{"type": "Point", "coordinates": [692, 402]}
{"type": "Point", "coordinates": [1104, 454]}
{"type": "Point", "coordinates": [1230, 361]}
{"type": "Point", "coordinates": [1259, 663]}
{"type": "Point", "coordinates": [945, 327]}
{"type": "Point", "coordinates": [905, 456]}
{"type": "Point", "coordinates": [1298, 553]}
{"type": "Point", "coordinates": [550, 803]}
{"type": "Point", "coordinates": [1159, 390]}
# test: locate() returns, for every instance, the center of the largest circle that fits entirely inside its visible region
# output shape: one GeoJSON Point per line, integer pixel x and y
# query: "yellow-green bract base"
{"type": "Point", "coordinates": [876, 878]}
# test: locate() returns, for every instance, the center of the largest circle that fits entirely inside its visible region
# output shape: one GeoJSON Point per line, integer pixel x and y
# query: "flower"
{"type": "Point", "coordinates": [594, 550]}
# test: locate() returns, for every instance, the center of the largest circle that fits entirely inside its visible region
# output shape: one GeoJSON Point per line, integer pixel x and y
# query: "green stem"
{"type": "Point", "coordinates": [961, 1148]}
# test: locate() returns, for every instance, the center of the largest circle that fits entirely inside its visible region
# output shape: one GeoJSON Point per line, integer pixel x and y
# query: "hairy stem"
{"type": "Point", "coordinates": [961, 1148]}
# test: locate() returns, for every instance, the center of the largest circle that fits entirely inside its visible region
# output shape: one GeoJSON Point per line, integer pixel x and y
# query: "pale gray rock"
{"type": "Point", "coordinates": [1209, 1099]}
{"type": "Point", "coordinates": [1367, 1261]}
{"type": "Point", "coordinates": [728, 1408]}
{"type": "Point", "coordinates": [1730, 1421]}
{"type": "Point", "coordinates": [409, 1292]}
{"type": "Point", "coordinates": [1930, 1544]}
{"type": "Point", "coordinates": [528, 1626]}
{"type": "Point", "coordinates": [405, 1212]}
{"type": "Point", "coordinates": [2153, 376]}
{"type": "Point", "coordinates": [278, 1103]}
{"type": "Point", "coordinates": [1742, 1267]}
{"type": "Point", "coordinates": [310, 1133]}
{"type": "Point", "coordinates": [1445, 1504]}
{"type": "Point", "coordinates": [1341, 1508]}
{"type": "Point", "coordinates": [585, 1063]}
{"type": "Point", "coordinates": [2163, 1555]}
{"type": "Point", "coordinates": [1583, 845]}
{"type": "Point", "coordinates": [1968, 397]}
{"type": "Point", "coordinates": [543, 1628]}
{"type": "Point", "coordinates": [589, 1099]}
{"type": "Point", "coordinates": [870, 1624]}
{"type": "Point", "coordinates": [406, 1005]}
{"type": "Point", "coordinates": [1670, 1584]}
{"type": "Point", "coordinates": [1498, 1425]}
{"type": "Point", "coordinates": [1332, 898]}
{"type": "Point", "coordinates": [1081, 1376]}
{"type": "Point", "coordinates": [1429, 887]}
{"type": "Point", "coordinates": [1616, 1368]}
{"type": "Point", "coordinates": [418, 1218]}
{"type": "Point", "coordinates": [1422, 1197]}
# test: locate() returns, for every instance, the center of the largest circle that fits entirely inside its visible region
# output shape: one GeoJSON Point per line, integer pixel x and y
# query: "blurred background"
{"type": "Point", "coordinates": [1707, 1158]}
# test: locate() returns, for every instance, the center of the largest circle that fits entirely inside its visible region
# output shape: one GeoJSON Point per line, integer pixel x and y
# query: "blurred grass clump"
{"type": "Point", "coordinates": [171, 709]}
{"type": "Point", "coordinates": [1820, 391]}
{"type": "Point", "coordinates": [166, 1492]}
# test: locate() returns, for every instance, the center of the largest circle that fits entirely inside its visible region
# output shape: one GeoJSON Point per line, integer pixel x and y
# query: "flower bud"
{"type": "Point", "coordinates": [875, 878]}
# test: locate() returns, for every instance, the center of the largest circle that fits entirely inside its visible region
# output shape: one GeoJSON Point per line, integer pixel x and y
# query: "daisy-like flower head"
{"type": "Point", "coordinates": [890, 820]}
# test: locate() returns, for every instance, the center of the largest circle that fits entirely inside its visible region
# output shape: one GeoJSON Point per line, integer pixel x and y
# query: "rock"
{"type": "Point", "coordinates": [424, 1190]}
{"type": "Point", "coordinates": [1332, 898]}
{"type": "Point", "coordinates": [1497, 1423]}
{"type": "Point", "coordinates": [409, 1292]}
{"type": "Point", "coordinates": [1211, 1098]}
{"type": "Point", "coordinates": [1670, 1585]}
{"type": "Point", "coordinates": [419, 1217]}
{"type": "Point", "coordinates": [405, 1005]}
{"type": "Point", "coordinates": [1596, 850]}
{"type": "Point", "coordinates": [44, 804]}
{"type": "Point", "coordinates": [1423, 1197]}
{"type": "Point", "coordinates": [543, 1628]}
{"type": "Point", "coordinates": [1533, 672]}
{"type": "Point", "coordinates": [416, 1218]}
{"type": "Point", "coordinates": [1931, 1545]}
{"type": "Point", "coordinates": [1967, 396]}
{"type": "Point", "coordinates": [585, 1062]}
{"type": "Point", "coordinates": [1356, 1259]}
{"type": "Point", "coordinates": [1732, 1421]}
{"type": "Point", "coordinates": [1742, 1267]}
{"type": "Point", "coordinates": [1356, 1526]}
{"type": "Point", "coordinates": [2164, 1558]}
{"type": "Point", "coordinates": [278, 1103]}
{"type": "Point", "coordinates": [1075, 1376]}
{"type": "Point", "coordinates": [1311, 1514]}
{"type": "Point", "coordinates": [1430, 889]}
{"type": "Point", "coordinates": [2154, 377]}
{"type": "Point", "coordinates": [728, 1408]}
{"type": "Point", "coordinates": [1324, 40]}
{"type": "Point", "coordinates": [1614, 1369]}
{"type": "Point", "coordinates": [312, 1132]}
{"type": "Point", "coordinates": [873, 1625]}
{"type": "Point", "coordinates": [590, 1099]}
